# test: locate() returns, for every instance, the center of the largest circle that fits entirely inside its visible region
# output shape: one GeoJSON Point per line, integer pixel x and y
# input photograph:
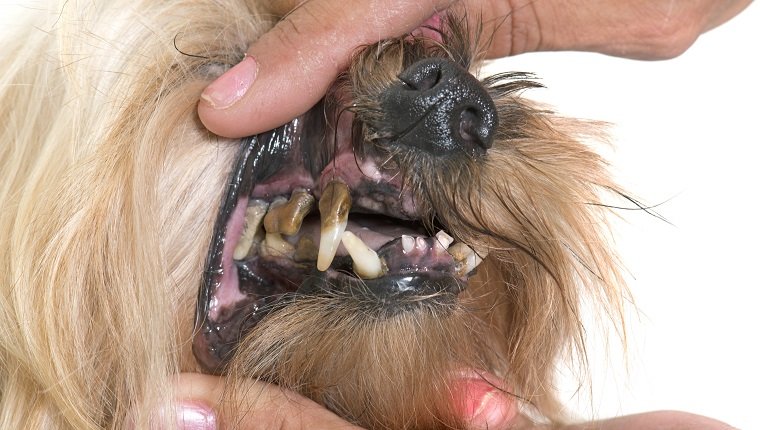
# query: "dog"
{"type": "Point", "coordinates": [417, 221]}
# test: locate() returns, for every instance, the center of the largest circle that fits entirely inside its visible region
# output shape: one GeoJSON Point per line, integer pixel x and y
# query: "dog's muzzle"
{"type": "Point", "coordinates": [440, 108]}
{"type": "Point", "coordinates": [324, 206]}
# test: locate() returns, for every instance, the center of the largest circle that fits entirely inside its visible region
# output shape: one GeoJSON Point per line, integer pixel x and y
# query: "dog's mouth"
{"type": "Point", "coordinates": [305, 214]}
{"type": "Point", "coordinates": [331, 204]}
{"type": "Point", "coordinates": [347, 224]}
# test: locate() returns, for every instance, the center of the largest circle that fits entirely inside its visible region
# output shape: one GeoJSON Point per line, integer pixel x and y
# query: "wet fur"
{"type": "Point", "coordinates": [108, 180]}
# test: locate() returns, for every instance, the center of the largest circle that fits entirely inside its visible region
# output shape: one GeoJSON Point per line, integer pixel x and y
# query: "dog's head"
{"type": "Point", "coordinates": [416, 222]}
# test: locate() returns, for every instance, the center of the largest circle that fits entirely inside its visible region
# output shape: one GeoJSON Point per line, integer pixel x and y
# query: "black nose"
{"type": "Point", "coordinates": [439, 107]}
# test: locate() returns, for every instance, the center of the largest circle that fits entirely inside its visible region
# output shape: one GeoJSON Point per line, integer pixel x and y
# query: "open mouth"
{"type": "Point", "coordinates": [333, 204]}
{"type": "Point", "coordinates": [306, 214]}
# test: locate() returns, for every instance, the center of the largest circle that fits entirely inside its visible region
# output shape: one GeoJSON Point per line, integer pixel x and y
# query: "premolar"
{"type": "Point", "coordinates": [274, 245]}
{"type": "Point", "coordinates": [286, 217]}
{"type": "Point", "coordinates": [254, 214]}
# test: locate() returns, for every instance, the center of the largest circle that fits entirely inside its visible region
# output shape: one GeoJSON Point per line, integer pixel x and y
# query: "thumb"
{"type": "Point", "coordinates": [291, 67]}
{"type": "Point", "coordinates": [199, 405]}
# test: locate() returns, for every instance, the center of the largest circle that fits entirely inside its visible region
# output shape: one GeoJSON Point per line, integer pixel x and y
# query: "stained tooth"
{"type": "Point", "coordinates": [366, 262]}
{"type": "Point", "coordinates": [467, 259]}
{"type": "Point", "coordinates": [459, 251]}
{"type": "Point", "coordinates": [254, 213]}
{"type": "Point", "coordinates": [271, 220]}
{"type": "Point", "coordinates": [306, 250]}
{"type": "Point", "coordinates": [334, 206]}
{"type": "Point", "coordinates": [286, 217]}
{"type": "Point", "coordinates": [274, 245]}
{"type": "Point", "coordinates": [444, 240]}
{"type": "Point", "coordinates": [407, 243]}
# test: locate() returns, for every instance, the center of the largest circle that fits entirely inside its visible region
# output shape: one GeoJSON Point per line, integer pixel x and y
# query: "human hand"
{"type": "Point", "coordinates": [291, 67]}
{"type": "Point", "coordinates": [200, 405]}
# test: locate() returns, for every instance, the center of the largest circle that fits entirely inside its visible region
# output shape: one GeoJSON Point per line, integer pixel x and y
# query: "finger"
{"type": "Point", "coordinates": [291, 67]}
{"type": "Point", "coordinates": [200, 404]}
{"type": "Point", "coordinates": [482, 402]}
{"type": "Point", "coordinates": [648, 29]}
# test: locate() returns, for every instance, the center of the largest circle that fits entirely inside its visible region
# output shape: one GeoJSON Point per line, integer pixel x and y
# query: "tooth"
{"type": "Point", "coordinates": [421, 244]}
{"type": "Point", "coordinates": [271, 224]}
{"type": "Point", "coordinates": [274, 245]}
{"type": "Point", "coordinates": [333, 211]}
{"type": "Point", "coordinates": [286, 217]}
{"type": "Point", "coordinates": [254, 213]}
{"type": "Point", "coordinates": [467, 259]}
{"type": "Point", "coordinates": [407, 243]}
{"type": "Point", "coordinates": [444, 240]}
{"type": "Point", "coordinates": [306, 250]}
{"type": "Point", "coordinates": [366, 262]}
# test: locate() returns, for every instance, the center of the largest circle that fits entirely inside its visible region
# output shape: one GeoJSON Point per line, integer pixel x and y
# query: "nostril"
{"type": "Point", "coordinates": [471, 129]}
{"type": "Point", "coordinates": [421, 78]}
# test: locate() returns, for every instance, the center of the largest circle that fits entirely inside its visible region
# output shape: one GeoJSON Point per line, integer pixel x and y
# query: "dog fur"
{"type": "Point", "coordinates": [110, 188]}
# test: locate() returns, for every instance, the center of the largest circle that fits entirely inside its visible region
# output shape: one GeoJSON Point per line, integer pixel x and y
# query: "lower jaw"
{"type": "Point", "coordinates": [326, 294]}
{"type": "Point", "coordinates": [368, 365]}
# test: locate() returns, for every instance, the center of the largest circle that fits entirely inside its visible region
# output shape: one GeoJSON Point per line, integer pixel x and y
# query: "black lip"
{"type": "Point", "coordinates": [383, 292]}
{"type": "Point", "coordinates": [257, 159]}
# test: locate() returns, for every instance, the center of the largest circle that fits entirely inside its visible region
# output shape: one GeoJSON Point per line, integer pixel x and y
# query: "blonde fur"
{"type": "Point", "coordinates": [110, 186]}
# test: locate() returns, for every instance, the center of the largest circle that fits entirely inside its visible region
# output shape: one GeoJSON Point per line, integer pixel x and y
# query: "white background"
{"type": "Point", "coordinates": [686, 138]}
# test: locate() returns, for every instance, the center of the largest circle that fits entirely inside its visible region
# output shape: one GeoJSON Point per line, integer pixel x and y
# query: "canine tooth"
{"type": "Point", "coordinates": [334, 206]}
{"type": "Point", "coordinates": [286, 217]}
{"type": "Point", "coordinates": [407, 243]}
{"type": "Point", "coordinates": [274, 245]}
{"type": "Point", "coordinates": [366, 262]}
{"type": "Point", "coordinates": [444, 240]}
{"type": "Point", "coordinates": [254, 213]}
{"type": "Point", "coordinates": [467, 259]}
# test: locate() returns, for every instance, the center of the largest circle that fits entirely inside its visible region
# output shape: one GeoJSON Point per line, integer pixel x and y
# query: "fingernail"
{"type": "Point", "coordinates": [232, 85]}
{"type": "Point", "coordinates": [191, 416]}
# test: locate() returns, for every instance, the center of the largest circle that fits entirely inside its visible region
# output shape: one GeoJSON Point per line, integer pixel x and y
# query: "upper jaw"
{"type": "Point", "coordinates": [373, 179]}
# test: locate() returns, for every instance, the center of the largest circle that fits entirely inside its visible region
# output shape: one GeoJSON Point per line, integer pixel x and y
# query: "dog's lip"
{"type": "Point", "coordinates": [389, 291]}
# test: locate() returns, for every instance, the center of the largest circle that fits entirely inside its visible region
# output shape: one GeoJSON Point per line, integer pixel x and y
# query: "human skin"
{"type": "Point", "coordinates": [199, 406]}
{"type": "Point", "coordinates": [291, 67]}
{"type": "Point", "coordinates": [198, 398]}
